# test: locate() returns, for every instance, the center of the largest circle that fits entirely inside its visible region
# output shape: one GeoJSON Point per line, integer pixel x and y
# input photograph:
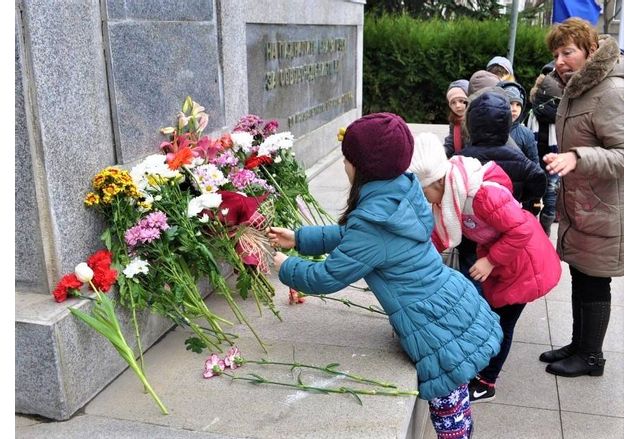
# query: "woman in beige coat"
{"type": "Point", "coordinates": [590, 162]}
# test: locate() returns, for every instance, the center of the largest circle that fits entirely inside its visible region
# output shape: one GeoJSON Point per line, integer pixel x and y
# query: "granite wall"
{"type": "Point", "coordinates": [95, 80]}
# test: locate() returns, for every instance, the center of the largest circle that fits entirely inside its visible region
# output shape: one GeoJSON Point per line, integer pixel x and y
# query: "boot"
{"type": "Point", "coordinates": [588, 360]}
{"type": "Point", "coordinates": [546, 221]}
{"type": "Point", "coordinates": [570, 349]}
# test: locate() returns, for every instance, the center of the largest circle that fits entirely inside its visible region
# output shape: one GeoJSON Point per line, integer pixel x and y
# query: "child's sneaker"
{"type": "Point", "coordinates": [479, 391]}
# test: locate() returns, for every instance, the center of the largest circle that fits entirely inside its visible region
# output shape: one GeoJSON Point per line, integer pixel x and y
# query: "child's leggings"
{"type": "Point", "coordinates": [451, 415]}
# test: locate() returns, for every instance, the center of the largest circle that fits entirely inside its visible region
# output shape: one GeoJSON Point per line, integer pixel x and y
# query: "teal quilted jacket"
{"type": "Point", "coordinates": [443, 324]}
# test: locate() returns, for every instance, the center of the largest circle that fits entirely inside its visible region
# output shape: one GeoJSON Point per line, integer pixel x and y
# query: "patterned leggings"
{"type": "Point", "coordinates": [451, 415]}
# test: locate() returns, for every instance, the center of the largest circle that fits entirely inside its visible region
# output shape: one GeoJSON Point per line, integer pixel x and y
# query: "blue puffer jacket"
{"type": "Point", "coordinates": [443, 324]}
{"type": "Point", "coordinates": [521, 135]}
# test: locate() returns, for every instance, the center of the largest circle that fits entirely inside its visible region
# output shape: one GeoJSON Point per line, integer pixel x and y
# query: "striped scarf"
{"type": "Point", "coordinates": [462, 180]}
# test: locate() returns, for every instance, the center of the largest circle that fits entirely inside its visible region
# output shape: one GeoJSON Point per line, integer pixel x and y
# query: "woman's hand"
{"type": "Point", "coordinates": [281, 237]}
{"type": "Point", "coordinates": [561, 164]}
{"type": "Point", "coordinates": [481, 270]}
{"type": "Point", "coordinates": [278, 259]}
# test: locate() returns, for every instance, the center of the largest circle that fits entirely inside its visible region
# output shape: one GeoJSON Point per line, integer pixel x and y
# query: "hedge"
{"type": "Point", "coordinates": [409, 63]}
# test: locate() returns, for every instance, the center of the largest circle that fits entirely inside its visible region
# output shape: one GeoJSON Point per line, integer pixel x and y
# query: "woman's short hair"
{"type": "Point", "coordinates": [572, 30]}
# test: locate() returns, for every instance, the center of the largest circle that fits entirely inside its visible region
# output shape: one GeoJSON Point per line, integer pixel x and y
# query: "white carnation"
{"type": "Point", "coordinates": [242, 140]}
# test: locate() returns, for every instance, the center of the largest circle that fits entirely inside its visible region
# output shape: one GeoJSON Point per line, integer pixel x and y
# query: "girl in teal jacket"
{"type": "Point", "coordinates": [445, 327]}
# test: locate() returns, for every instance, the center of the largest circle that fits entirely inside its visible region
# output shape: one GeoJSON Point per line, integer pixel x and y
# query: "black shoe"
{"type": "Point", "coordinates": [480, 392]}
{"type": "Point", "coordinates": [578, 365]}
{"type": "Point", "coordinates": [558, 354]}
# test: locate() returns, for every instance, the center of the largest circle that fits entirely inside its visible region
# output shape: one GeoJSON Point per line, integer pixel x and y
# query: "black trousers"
{"type": "Point", "coordinates": [509, 315]}
{"type": "Point", "coordinates": [589, 289]}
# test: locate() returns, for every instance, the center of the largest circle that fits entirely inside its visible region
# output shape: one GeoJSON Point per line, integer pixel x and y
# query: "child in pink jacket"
{"type": "Point", "coordinates": [516, 261]}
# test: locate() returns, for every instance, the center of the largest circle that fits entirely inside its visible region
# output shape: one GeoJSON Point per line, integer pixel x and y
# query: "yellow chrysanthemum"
{"type": "Point", "coordinates": [98, 181]}
{"type": "Point", "coordinates": [110, 190]}
{"type": "Point", "coordinates": [341, 132]}
{"type": "Point", "coordinates": [91, 199]}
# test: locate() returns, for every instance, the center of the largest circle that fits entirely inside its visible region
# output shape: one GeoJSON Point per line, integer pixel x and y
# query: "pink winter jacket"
{"type": "Point", "coordinates": [526, 263]}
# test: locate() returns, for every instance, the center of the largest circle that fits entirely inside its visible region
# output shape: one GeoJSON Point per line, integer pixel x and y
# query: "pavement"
{"type": "Point", "coordinates": [529, 402]}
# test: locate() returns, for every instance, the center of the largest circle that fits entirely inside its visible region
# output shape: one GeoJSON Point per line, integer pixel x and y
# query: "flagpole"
{"type": "Point", "coordinates": [512, 30]}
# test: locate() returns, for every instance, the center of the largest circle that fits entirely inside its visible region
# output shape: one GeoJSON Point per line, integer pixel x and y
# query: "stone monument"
{"type": "Point", "coordinates": [95, 80]}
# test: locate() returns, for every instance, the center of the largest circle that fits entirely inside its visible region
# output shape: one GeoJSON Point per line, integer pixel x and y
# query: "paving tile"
{"type": "Point", "coordinates": [533, 324]}
{"type": "Point", "coordinates": [561, 322]}
{"type": "Point", "coordinates": [499, 421]}
{"type": "Point", "coordinates": [596, 395]}
{"type": "Point", "coordinates": [523, 381]}
{"type": "Point", "coordinates": [98, 427]}
{"type": "Point", "coordinates": [581, 426]}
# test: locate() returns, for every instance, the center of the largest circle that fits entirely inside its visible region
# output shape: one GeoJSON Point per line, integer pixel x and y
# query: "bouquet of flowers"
{"type": "Point", "coordinates": [175, 218]}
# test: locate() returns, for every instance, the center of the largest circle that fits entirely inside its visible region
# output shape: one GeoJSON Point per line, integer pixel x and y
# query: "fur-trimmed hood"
{"type": "Point", "coordinates": [605, 61]}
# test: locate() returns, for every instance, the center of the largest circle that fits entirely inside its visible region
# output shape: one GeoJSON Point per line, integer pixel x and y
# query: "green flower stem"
{"type": "Point", "coordinates": [346, 302]}
{"type": "Point", "coordinates": [234, 306]}
{"type": "Point", "coordinates": [294, 209]}
{"type": "Point", "coordinates": [120, 225]}
{"type": "Point", "coordinates": [257, 379]}
{"type": "Point", "coordinates": [137, 330]}
{"type": "Point", "coordinates": [329, 368]}
{"type": "Point", "coordinates": [103, 320]}
{"type": "Point", "coordinates": [323, 213]}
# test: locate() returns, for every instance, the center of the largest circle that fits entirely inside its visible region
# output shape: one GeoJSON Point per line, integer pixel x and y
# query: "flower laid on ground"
{"type": "Point", "coordinates": [216, 366]}
{"type": "Point", "coordinates": [97, 273]}
{"type": "Point", "coordinates": [295, 297]}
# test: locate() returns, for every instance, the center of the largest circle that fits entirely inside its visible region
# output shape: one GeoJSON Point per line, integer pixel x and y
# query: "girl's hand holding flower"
{"type": "Point", "coordinates": [278, 260]}
{"type": "Point", "coordinates": [281, 237]}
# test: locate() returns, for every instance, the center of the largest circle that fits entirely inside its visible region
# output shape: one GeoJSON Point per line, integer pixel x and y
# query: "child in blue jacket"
{"type": "Point", "coordinates": [383, 236]}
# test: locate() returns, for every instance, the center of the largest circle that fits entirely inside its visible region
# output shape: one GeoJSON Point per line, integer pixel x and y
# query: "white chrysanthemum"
{"type": "Point", "coordinates": [275, 143]}
{"type": "Point", "coordinates": [242, 140]}
{"type": "Point", "coordinates": [204, 201]}
{"type": "Point", "coordinates": [209, 178]}
{"type": "Point", "coordinates": [211, 201]}
{"type": "Point", "coordinates": [152, 166]}
{"type": "Point", "coordinates": [136, 266]}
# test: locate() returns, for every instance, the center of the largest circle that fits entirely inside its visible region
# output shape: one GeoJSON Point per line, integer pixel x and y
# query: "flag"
{"type": "Point", "coordinates": [587, 9]}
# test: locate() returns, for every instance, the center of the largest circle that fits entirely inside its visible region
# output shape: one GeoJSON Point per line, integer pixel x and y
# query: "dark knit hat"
{"type": "Point", "coordinates": [379, 146]}
{"type": "Point", "coordinates": [514, 94]}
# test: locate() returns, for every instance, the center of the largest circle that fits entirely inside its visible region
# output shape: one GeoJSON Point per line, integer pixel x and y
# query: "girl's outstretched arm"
{"type": "Point", "coordinates": [359, 252]}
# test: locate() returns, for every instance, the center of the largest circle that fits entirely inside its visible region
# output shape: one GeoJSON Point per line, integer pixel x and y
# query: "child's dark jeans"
{"type": "Point", "coordinates": [509, 315]}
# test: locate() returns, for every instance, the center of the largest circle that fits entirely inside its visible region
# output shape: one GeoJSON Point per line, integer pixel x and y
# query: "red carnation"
{"type": "Point", "coordinates": [255, 161]}
{"type": "Point", "coordinates": [103, 276]}
{"type": "Point", "coordinates": [100, 260]}
{"type": "Point", "coordinates": [104, 279]}
{"type": "Point", "coordinates": [68, 281]}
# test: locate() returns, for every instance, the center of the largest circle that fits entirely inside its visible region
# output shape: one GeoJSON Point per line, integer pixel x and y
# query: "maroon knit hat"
{"type": "Point", "coordinates": [379, 146]}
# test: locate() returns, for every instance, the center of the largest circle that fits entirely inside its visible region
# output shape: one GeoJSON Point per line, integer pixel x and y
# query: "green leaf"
{"type": "Point", "coordinates": [106, 238]}
{"type": "Point", "coordinates": [194, 344]}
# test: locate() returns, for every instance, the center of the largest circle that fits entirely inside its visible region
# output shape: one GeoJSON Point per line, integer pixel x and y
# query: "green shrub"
{"type": "Point", "coordinates": [409, 63]}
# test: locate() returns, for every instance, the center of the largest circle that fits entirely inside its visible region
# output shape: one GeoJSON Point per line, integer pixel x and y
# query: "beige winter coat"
{"type": "Point", "coordinates": [590, 121]}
